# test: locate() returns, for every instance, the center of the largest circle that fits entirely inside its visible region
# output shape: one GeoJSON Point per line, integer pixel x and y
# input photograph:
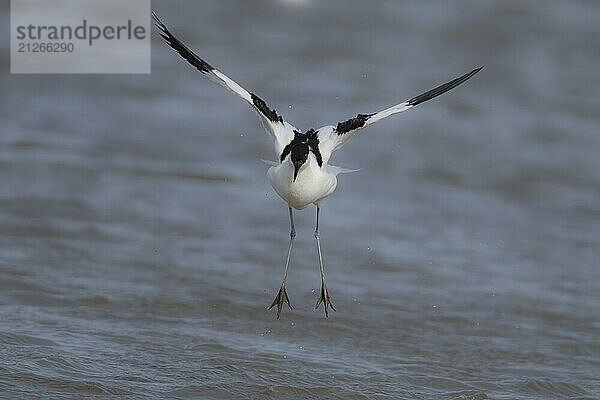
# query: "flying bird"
{"type": "Point", "coordinates": [301, 175]}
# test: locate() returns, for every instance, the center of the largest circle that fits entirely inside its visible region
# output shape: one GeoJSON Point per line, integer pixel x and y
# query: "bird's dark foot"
{"type": "Point", "coordinates": [281, 298]}
{"type": "Point", "coordinates": [324, 298]}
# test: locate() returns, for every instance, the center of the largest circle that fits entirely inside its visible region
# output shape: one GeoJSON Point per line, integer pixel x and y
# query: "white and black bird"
{"type": "Point", "coordinates": [301, 175]}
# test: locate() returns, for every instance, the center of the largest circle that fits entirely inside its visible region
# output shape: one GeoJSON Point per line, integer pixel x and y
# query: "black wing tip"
{"type": "Point", "coordinates": [179, 47]}
{"type": "Point", "coordinates": [443, 88]}
{"type": "Point", "coordinates": [158, 23]}
{"type": "Point", "coordinates": [164, 32]}
{"type": "Point", "coordinates": [162, 28]}
{"type": "Point", "coordinates": [476, 70]}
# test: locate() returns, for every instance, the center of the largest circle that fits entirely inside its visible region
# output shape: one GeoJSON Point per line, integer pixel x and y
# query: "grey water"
{"type": "Point", "coordinates": [140, 242]}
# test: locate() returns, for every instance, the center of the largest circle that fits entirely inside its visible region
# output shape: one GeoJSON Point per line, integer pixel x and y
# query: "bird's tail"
{"type": "Point", "coordinates": [330, 168]}
{"type": "Point", "coordinates": [271, 163]}
{"type": "Point", "coordinates": [339, 170]}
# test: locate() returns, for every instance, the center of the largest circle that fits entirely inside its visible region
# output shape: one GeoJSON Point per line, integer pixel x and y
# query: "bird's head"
{"type": "Point", "coordinates": [299, 155]}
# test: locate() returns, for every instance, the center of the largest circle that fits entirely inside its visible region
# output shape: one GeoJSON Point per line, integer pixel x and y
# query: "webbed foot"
{"type": "Point", "coordinates": [325, 299]}
{"type": "Point", "coordinates": [282, 297]}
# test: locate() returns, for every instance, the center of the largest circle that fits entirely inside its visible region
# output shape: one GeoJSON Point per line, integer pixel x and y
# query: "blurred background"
{"type": "Point", "coordinates": [140, 242]}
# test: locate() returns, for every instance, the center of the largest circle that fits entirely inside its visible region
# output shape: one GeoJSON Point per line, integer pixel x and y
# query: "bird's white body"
{"type": "Point", "coordinates": [312, 184]}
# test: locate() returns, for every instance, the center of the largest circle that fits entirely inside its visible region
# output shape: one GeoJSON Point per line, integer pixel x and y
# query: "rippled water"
{"type": "Point", "coordinates": [140, 242]}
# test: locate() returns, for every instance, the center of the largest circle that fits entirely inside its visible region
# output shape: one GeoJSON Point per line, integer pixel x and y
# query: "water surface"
{"type": "Point", "coordinates": [140, 242]}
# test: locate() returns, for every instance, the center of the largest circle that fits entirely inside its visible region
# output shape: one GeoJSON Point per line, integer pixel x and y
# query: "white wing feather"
{"type": "Point", "coordinates": [332, 138]}
{"type": "Point", "coordinates": [281, 131]}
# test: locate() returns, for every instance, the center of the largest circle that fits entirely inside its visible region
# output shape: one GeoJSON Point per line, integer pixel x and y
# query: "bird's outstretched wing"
{"type": "Point", "coordinates": [281, 131]}
{"type": "Point", "coordinates": [338, 135]}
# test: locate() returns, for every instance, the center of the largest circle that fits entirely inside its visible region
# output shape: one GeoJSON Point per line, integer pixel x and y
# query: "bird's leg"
{"type": "Point", "coordinates": [324, 296]}
{"type": "Point", "coordinates": [282, 295]}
